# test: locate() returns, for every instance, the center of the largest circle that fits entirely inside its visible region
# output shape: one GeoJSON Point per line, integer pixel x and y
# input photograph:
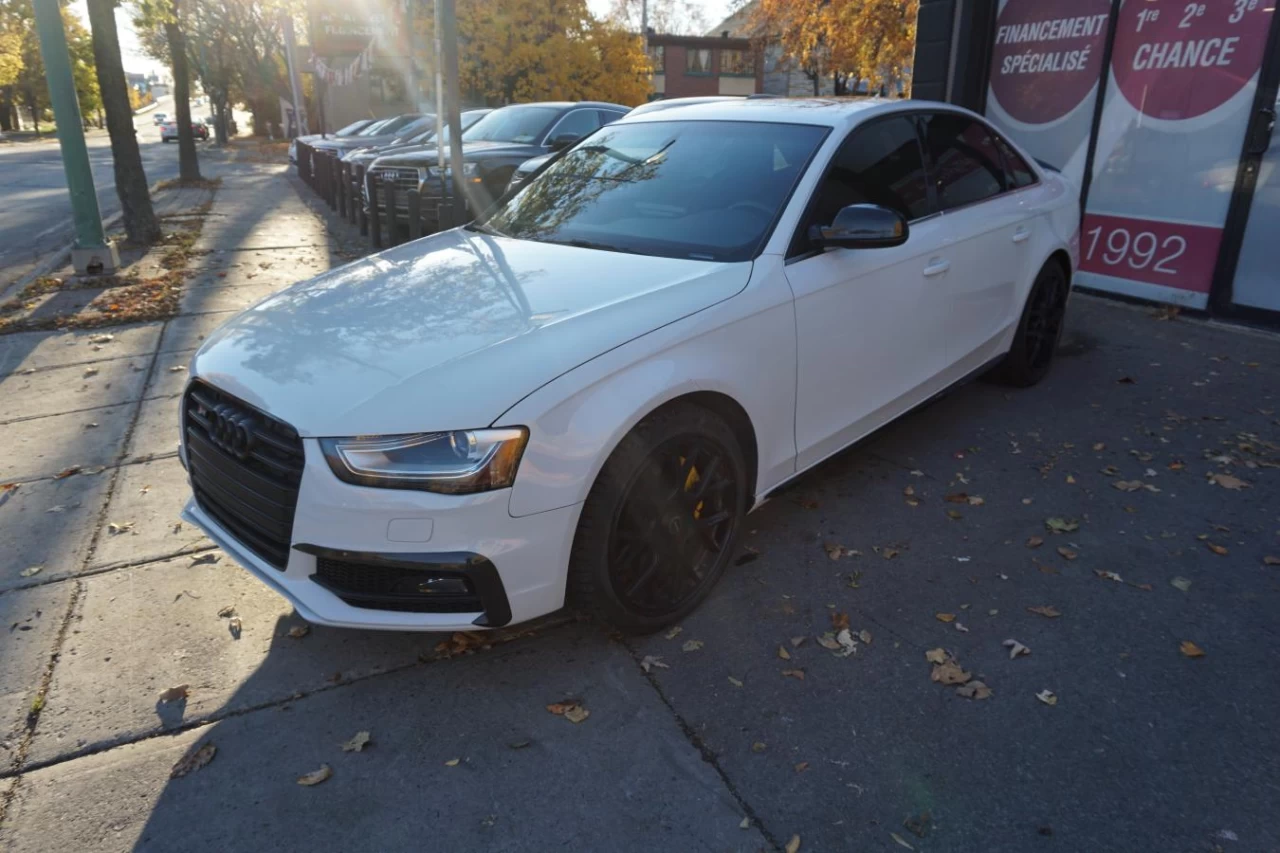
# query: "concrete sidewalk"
{"type": "Point", "coordinates": [722, 744]}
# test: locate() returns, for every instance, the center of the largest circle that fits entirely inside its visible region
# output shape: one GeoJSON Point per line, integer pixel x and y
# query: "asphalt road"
{"type": "Point", "coordinates": [36, 216]}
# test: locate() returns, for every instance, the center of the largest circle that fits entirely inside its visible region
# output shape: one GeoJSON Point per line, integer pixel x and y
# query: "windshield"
{"type": "Point", "coordinates": [414, 128]}
{"type": "Point", "coordinates": [511, 124]}
{"type": "Point", "coordinates": [351, 128]}
{"type": "Point", "coordinates": [394, 125]}
{"type": "Point", "coordinates": [701, 190]}
{"type": "Point", "coordinates": [373, 128]}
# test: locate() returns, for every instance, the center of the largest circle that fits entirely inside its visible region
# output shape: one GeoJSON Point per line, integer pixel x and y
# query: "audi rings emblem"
{"type": "Point", "coordinates": [231, 430]}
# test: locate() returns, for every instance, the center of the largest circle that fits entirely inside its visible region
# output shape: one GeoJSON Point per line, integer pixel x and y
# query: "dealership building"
{"type": "Point", "coordinates": [1163, 112]}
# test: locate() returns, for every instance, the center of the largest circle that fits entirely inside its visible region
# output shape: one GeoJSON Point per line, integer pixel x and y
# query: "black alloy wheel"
{"type": "Point", "coordinates": [1039, 330]}
{"type": "Point", "coordinates": [662, 521]}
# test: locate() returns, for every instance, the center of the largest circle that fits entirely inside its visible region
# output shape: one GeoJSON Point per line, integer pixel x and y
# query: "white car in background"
{"type": "Point", "coordinates": [578, 398]}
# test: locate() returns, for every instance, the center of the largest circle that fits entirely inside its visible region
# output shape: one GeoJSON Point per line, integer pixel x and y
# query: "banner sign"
{"type": "Point", "coordinates": [1183, 77]}
{"type": "Point", "coordinates": [1045, 67]}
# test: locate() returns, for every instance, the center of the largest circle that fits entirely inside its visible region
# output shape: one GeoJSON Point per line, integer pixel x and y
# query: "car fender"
{"type": "Point", "coordinates": [743, 348]}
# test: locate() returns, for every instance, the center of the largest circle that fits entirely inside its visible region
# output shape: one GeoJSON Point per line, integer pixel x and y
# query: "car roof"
{"type": "Point", "coordinates": [830, 112]}
{"type": "Point", "coordinates": [564, 105]}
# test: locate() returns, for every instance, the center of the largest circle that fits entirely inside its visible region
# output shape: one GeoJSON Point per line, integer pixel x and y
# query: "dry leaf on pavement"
{"type": "Point", "coordinates": [673, 633]}
{"type": "Point", "coordinates": [1111, 576]}
{"type": "Point", "coordinates": [865, 636]}
{"type": "Point", "coordinates": [936, 656]}
{"type": "Point", "coordinates": [828, 642]}
{"type": "Point", "coordinates": [31, 571]}
{"type": "Point", "coordinates": [735, 682]}
{"type": "Point", "coordinates": [1181, 583]}
{"type": "Point", "coordinates": [193, 760]}
{"type": "Point", "coordinates": [957, 498]}
{"type": "Point", "coordinates": [357, 743]}
{"type": "Point", "coordinates": [835, 550]}
{"type": "Point", "coordinates": [1048, 611]}
{"type": "Point", "coordinates": [901, 841]}
{"type": "Point", "coordinates": [1061, 525]}
{"type": "Point", "coordinates": [746, 823]}
{"type": "Point", "coordinates": [1035, 542]}
{"type": "Point", "coordinates": [452, 762]}
{"type": "Point", "coordinates": [759, 746]}
{"type": "Point", "coordinates": [793, 845]}
{"type": "Point", "coordinates": [949, 673]}
{"type": "Point", "coordinates": [797, 674]}
{"type": "Point", "coordinates": [783, 653]}
{"type": "Point", "coordinates": [974, 500]}
{"type": "Point", "coordinates": [205, 559]}
{"type": "Point", "coordinates": [974, 690]}
{"type": "Point", "coordinates": [67, 472]}
{"type": "Point", "coordinates": [839, 621]}
{"type": "Point", "coordinates": [1067, 553]}
{"type": "Point", "coordinates": [315, 777]}
{"type": "Point", "coordinates": [173, 694]}
{"type": "Point", "coordinates": [235, 626]}
{"type": "Point", "coordinates": [650, 661]}
{"type": "Point", "coordinates": [1047, 697]}
{"type": "Point", "coordinates": [1190, 649]}
{"type": "Point", "coordinates": [797, 642]}
{"type": "Point", "coordinates": [945, 617]}
{"type": "Point", "coordinates": [802, 766]}
{"type": "Point", "coordinates": [1227, 481]}
{"type": "Point", "coordinates": [846, 643]}
{"type": "Point", "coordinates": [1271, 561]}
{"type": "Point", "coordinates": [299, 631]}
{"type": "Point", "coordinates": [1220, 550]}
{"type": "Point", "coordinates": [1016, 649]}
{"type": "Point", "coordinates": [691, 645]}
{"type": "Point", "coordinates": [122, 527]}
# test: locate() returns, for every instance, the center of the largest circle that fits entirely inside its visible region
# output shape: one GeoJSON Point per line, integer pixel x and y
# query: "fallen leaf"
{"type": "Point", "coordinates": [846, 643]}
{"type": "Point", "coordinates": [1016, 649]}
{"type": "Point", "coordinates": [1128, 485]}
{"type": "Point", "coordinates": [783, 653]}
{"type": "Point", "coordinates": [759, 746]}
{"type": "Point", "coordinates": [1047, 697]}
{"type": "Point", "coordinates": [357, 743]}
{"type": "Point", "coordinates": [691, 645]}
{"type": "Point", "coordinates": [315, 777]}
{"type": "Point", "coordinates": [889, 553]}
{"type": "Point", "coordinates": [936, 656]}
{"type": "Point", "coordinates": [1190, 649]}
{"type": "Point", "coordinates": [1046, 610]}
{"type": "Point", "coordinates": [194, 760]}
{"type": "Point", "coordinates": [746, 823]}
{"type": "Point", "coordinates": [173, 694]}
{"type": "Point", "coordinates": [1271, 561]}
{"type": "Point", "coordinates": [650, 661]}
{"type": "Point", "coordinates": [101, 339]}
{"type": "Point", "coordinates": [178, 369]}
{"type": "Point", "coordinates": [144, 490]}
{"type": "Point", "coordinates": [901, 841]}
{"type": "Point", "coordinates": [797, 642]}
{"type": "Point", "coordinates": [839, 621]}
{"type": "Point", "coordinates": [961, 628]}
{"type": "Point", "coordinates": [954, 514]}
{"type": "Point", "coordinates": [570, 710]}
{"type": "Point", "coordinates": [90, 371]}
{"type": "Point", "coordinates": [1181, 583]}
{"type": "Point", "coordinates": [802, 766]}
{"type": "Point", "coordinates": [1067, 553]}
{"type": "Point", "coordinates": [1228, 482]}
{"type": "Point", "coordinates": [299, 631]}
{"type": "Point", "coordinates": [235, 626]}
{"type": "Point", "coordinates": [957, 498]}
{"type": "Point", "coordinates": [452, 762]}
{"type": "Point", "coordinates": [1061, 525]}
{"type": "Point", "coordinates": [1220, 550]}
{"type": "Point", "coordinates": [735, 682]}
{"type": "Point", "coordinates": [797, 674]}
{"type": "Point", "coordinates": [673, 633]}
{"type": "Point", "coordinates": [1035, 542]}
{"type": "Point", "coordinates": [945, 617]}
{"type": "Point", "coordinates": [793, 845]}
{"type": "Point", "coordinates": [835, 550]}
{"type": "Point", "coordinates": [67, 472]}
{"type": "Point", "coordinates": [828, 641]}
{"type": "Point", "coordinates": [115, 528]}
{"type": "Point", "coordinates": [974, 690]}
{"type": "Point", "coordinates": [865, 636]}
{"type": "Point", "coordinates": [1099, 446]}
{"type": "Point", "coordinates": [949, 672]}
{"type": "Point", "coordinates": [205, 559]}
{"type": "Point", "coordinates": [31, 571]}
{"type": "Point", "coordinates": [1111, 576]}
{"type": "Point", "coordinates": [974, 500]}
{"type": "Point", "coordinates": [909, 491]}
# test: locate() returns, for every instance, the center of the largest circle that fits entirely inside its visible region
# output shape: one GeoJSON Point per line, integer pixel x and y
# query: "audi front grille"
{"type": "Point", "coordinates": [245, 469]}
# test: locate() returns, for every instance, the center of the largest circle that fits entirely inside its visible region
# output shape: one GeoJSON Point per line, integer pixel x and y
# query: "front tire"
{"type": "Point", "coordinates": [661, 523]}
{"type": "Point", "coordinates": [1039, 330]}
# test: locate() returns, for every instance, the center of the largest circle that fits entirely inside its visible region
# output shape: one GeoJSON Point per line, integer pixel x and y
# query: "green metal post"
{"type": "Point", "coordinates": [66, 112]}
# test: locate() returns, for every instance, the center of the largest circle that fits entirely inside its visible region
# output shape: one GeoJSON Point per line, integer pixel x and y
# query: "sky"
{"type": "Point", "coordinates": [135, 61]}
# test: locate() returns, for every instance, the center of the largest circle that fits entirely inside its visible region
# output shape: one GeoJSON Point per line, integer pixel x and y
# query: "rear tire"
{"type": "Point", "coordinates": [661, 523]}
{"type": "Point", "coordinates": [1039, 330]}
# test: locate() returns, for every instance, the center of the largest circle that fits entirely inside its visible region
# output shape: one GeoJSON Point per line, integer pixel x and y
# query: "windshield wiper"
{"type": "Point", "coordinates": [484, 228]}
{"type": "Point", "coordinates": [591, 244]}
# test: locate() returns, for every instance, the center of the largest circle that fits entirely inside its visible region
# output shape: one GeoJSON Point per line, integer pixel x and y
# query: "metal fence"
{"type": "Point", "coordinates": [384, 221]}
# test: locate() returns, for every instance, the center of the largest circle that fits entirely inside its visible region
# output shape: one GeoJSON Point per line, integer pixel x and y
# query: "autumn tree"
{"type": "Point", "coordinates": [846, 40]}
{"type": "Point", "coordinates": [170, 17]}
{"type": "Point", "coordinates": [140, 222]}
{"type": "Point", "coordinates": [29, 86]}
{"type": "Point", "coordinates": [13, 28]}
{"type": "Point", "coordinates": [673, 17]}
{"type": "Point", "coordinates": [541, 50]}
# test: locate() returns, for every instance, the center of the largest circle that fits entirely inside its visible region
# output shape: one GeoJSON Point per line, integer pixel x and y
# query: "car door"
{"type": "Point", "coordinates": [989, 229]}
{"type": "Point", "coordinates": [577, 123]}
{"type": "Point", "coordinates": [869, 323]}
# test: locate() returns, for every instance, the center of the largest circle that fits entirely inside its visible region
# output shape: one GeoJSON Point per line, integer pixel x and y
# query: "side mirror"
{"type": "Point", "coordinates": [563, 141]}
{"type": "Point", "coordinates": [862, 226]}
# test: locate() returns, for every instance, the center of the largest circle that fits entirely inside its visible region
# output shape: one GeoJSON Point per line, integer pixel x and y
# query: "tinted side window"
{"type": "Point", "coordinates": [579, 123]}
{"type": "Point", "coordinates": [965, 164]}
{"type": "Point", "coordinates": [878, 164]}
{"type": "Point", "coordinates": [609, 116]}
{"type": "Point", "coordinates": [1017, 172]}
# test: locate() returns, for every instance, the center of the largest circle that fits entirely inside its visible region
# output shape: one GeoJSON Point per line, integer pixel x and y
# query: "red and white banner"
{"type": "Point", "coordinates": [1183, 77]}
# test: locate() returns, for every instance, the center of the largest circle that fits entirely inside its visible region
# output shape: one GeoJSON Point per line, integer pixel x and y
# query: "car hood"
{"type": "Point", "coordinates": [343, 143]}
{"type": "Point", "coordinates": [426, 155]}
{"type": "Point", "coordinates": [447, 332]}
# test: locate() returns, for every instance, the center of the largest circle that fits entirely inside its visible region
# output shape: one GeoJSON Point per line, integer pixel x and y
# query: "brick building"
{"type": "Point", "coordinates": [687, 66]}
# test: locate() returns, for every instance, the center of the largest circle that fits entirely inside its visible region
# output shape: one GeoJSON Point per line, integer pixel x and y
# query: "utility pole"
{"type": "Point", "coordinates": [449, 24]}
{"type": "Point", "coordinates": [290, 51]}
{"type": "Point", "coordinates": [440, 119]}
{"type": "Point", "coordinates": [92, 254]}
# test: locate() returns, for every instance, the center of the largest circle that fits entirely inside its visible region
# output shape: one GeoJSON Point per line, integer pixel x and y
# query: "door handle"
{"type": "Point", "coordinates": [1021, 234]}
{"type": "Point", "coordinates": [937, 266]}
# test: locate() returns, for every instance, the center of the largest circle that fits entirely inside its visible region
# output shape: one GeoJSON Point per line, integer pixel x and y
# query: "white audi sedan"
{"type": "Point", "coordinates": [578, 398]}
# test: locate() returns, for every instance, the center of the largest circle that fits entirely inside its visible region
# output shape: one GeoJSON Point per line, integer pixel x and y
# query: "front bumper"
{"type": "Point", "coordinates": [529, 555]}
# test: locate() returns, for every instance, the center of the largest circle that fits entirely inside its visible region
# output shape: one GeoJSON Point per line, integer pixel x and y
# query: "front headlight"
{"type": "Point", "coordinates": [460, 462]}
{"type": "Point", "coordinates": [470, 171]}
